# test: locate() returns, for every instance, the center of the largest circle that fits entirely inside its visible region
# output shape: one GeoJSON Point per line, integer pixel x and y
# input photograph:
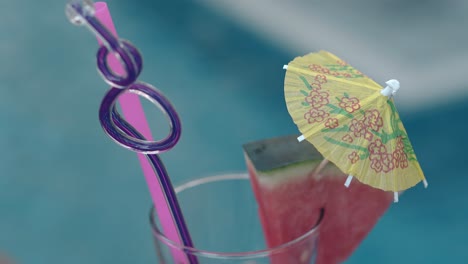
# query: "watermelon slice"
{"type": "Point", "coordinates": [290, 190]}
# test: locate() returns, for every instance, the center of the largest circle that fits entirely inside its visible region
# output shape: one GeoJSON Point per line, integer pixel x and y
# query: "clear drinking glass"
{"type": "Point", "coordinates": [221, 215]}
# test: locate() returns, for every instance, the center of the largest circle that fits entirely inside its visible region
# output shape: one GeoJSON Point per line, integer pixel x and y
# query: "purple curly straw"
{"type": "Point", "coordinates": [114, 125]}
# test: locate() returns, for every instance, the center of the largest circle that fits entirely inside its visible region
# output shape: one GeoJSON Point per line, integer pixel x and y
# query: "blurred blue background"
{"type": "Point", "coordinates": [68, 194]}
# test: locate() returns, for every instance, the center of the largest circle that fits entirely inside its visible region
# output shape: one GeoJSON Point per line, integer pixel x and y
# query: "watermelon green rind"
{"type": "Point", "coordinates": [330, 167]}
{"type": "Point", "coordinates": [274, 153]}
{"type": "Point", "coordinates": [273, 157]}
{"type": "Point", "coordinates": [296, 172]}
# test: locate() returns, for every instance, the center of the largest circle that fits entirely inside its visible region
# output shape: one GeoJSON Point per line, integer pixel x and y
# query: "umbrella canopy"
{"type": "Point", "coordinates": [352, 121]}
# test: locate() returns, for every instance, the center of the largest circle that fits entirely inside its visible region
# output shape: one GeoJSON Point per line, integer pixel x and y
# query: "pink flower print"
{"type": "Point", "coordinates": [387, 162]}
{"type": "Point", "coordinates": [399, 143]}
{"type": "Point", "coordinates": [376, 164]}
{"type": "Point", "coordinates": [332, 123]}
{"type": "Point", "coordinates": [353, 157]}
{"type": "Point", "coordinates": [377, 149]}
{"type": "Point", "coordinates": [358, 128]}
{"type": "Point", "coordinates": [315, 68]}
{"type": "Point", "coordinates": [358, 72]}
{"type": "Point", "coordinates": [396, 156]}
{"type": "Point", "coordinates": [404, 161]}
{"type": "Point", "coordinates": [368, 135]}
{"type": "Point", "coordinates": [317, 99]}
{"type": "Point", "coordinates": [347, 138]}
{"type": "Point", "coordinates": [341, 62]}
{"type": "Point", "coordinates": [350, 104]}
{"type": "Point", "coordinates": [315, 115]}
{"type": "Point", "coordinates": [373, 120]}
{"type": "Point", "coordinates": [400, 159]}
{"type": "Point", "coordinates": [347, 75]}
{"type": "Point", "coordinates": [321, 79]}
{"type": "Point", "coordinates": [380, 160]}
{"type": "Point", "coordinates": [399, 155]}
{"type": "Point", "coordinates": [325, 70]}
{"type": "Point", "coordinates": [315, 86]}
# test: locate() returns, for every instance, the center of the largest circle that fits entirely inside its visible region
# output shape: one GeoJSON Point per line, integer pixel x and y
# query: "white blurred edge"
{"type": "Point", "coordinates": [284, 23]}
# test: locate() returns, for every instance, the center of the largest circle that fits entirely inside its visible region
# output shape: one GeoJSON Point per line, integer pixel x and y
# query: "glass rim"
{"type": "Point", "coordinates": [207, 253]}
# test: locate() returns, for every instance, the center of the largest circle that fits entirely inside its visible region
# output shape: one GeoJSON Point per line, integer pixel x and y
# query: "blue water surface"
{"type": "Point", "coordinates": [68, 194]}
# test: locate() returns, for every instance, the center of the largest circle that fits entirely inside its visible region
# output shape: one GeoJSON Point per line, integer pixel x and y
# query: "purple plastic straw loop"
{"type": "Point", "coordinates": [131, 60]}
{"type": "Point", "coordinates": [83, 14]}
{"type": "Point", "coordinates": [136, 56]}
{"type": "Point", "coordinates": [164, 180]}
{"type": "Point", "coordinates": [108, 115]}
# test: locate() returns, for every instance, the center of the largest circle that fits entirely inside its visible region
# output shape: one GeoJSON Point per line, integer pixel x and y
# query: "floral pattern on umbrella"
{"type": "Point", "coordinates": [342, 112]}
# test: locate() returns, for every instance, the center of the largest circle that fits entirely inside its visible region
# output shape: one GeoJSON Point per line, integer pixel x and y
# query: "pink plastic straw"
{"type": "Point", "coordinates": [133, 112]}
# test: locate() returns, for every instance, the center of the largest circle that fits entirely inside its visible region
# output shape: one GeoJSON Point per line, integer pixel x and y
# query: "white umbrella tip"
{"type": "Point", "coordinates": [348, 181]}
{"type": "Point", "coordinates": [394, 84]}
{"type": "Point", "coordinates": [425, 183]}
{"type": "Point", "coordinates": [392, 87]}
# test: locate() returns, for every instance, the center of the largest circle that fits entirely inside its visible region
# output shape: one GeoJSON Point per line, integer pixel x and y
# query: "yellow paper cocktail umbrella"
{"type": "Point", "coordinates": [352, 121]}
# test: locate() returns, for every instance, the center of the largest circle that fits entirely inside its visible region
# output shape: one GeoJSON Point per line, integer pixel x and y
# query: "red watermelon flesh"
{"type": "Point", "coordinates": [290, 195]}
